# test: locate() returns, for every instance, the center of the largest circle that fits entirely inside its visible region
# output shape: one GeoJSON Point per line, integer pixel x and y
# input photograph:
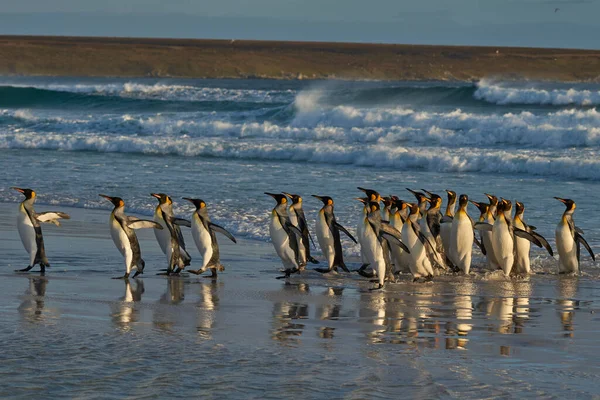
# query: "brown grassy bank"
{"type": "Point", "coordinates": [132, 57]}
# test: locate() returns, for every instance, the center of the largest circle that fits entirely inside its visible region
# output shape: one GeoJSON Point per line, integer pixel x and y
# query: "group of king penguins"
{"type": "Point", "coordinates": [416, 238]}
{"type": "Point", "coordinates": [122, 229]}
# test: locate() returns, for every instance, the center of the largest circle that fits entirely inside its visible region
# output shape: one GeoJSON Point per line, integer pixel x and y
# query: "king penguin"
{"type": "Point", "coordinates": [328, 235]}
{"type": "Point", "coordinates": [462, 237]}
{"type": "Point", "coordinates": [203, 232]}
{"type": "Point", "coordinates": [122, 231]}
{"type": "Point", "coordinates": [170, 237]}
{"type": "Point", "coordinates": [446, 222]}
{"type": "Point", "coordinates": [30, 231]}
{"type": "Point", "coordinates": [284, 236]}
{"type": "Point", "coordinates": [522, 246]}
{"type": "Point", "coordinates": [485, 216]}
{"type": "Point", "coordinates": [569, 238]}
{"type": "Point", "coordinates": [420, 266]}
{"type": "Point", "coordinates": [298, 219]}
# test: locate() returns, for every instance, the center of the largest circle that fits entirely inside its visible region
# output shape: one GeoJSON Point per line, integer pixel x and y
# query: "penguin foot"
{"type": "Point", "coordinates": [362, 267]}
{"type": "Point", "coordinates": [323, 270]}
{"type": "Point", "coordinates": [379, 287]}
{"type": "Point", "coordinates": [374, 280]}
{"type": "Point", "coordinates": [137, 273]}
{"type": "Point", "coordinates": [366, 274]}
{"type": "Point", "coordinates": [313, 260]}
{"type": "Point", "coordinates": [24, 269]}
{"type": "Point", "coordinates": [124, 277]}
{"type": "Point", "coordinates": [197, 271]}
{"type": "Point", "coordinates": [428, 278]}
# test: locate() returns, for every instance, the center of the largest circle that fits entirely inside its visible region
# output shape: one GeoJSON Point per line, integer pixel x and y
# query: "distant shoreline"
{"type": "Point", "coordinates": [247, 59]}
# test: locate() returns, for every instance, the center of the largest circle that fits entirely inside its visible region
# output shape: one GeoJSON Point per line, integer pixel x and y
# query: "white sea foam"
{"type": "Point", "coordinates": [502, 94]}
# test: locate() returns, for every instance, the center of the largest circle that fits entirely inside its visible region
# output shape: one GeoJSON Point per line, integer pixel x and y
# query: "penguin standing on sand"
{"type": "Point", "coordinates": [30, 231]}
{"type": "Point", "coordinates": [170, 237]}
{"type": "Point", "coordinates": [462, 237]}
{"type": "Point", "coordinates": [328, 234]}
{"type": "Point", "coordinates": [297, 218]}
{"type": "Point", "coordinates": [284, 236]}
{"type": "Point", "coordinates": [204, 234]}
{"type": "Point", "coordinates": [569, 239]}
{"type": "Point", "coordinates": [446, 228]}
{"type": "Point", "coordinates": [420, 266]}
{"type": "Point", "coordinates": [122, 230]}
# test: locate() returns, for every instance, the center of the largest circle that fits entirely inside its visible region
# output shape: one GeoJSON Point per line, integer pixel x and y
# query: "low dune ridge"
{"type": "Point", "coordinates": [195, 58]}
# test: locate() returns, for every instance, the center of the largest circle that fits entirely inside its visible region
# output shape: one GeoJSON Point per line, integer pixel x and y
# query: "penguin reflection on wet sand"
{"type": "Point", "coordinates": [328, 235]}
{"type": "Point", "coordinates": [170, 237]}
{"type": "Point", "coordinates": [204, 234]}
{"type": "Point", "coordinates": [30, 231]}
{"type": "Point", "coordinates": [284, 235]}
{"type": "Point", "coordinates": [122, 231]}
{"type": "Point", "coordinates": [569, 239]}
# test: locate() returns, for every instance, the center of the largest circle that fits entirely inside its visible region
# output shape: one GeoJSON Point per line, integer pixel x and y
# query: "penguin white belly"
{"type": "Point", "coordinates": [280, 240]}
{"type": "Point", "coordinates": [27, 234]}
{"type": "Point", "coordinates": [202, 239]}
{"type": "Point", "coordinates": [522, 247]}
{"type": "Point", "coordinates": [462, 242]}
{"type": "Point", "coordinates": [325, 238]}
{"type": "Point", "coordinates": [420, 265]}
{"type": "Point", "coordinates": [432, 253]}
{"type": "Point", "coordinates": [121, 240]}
{"type": "Point", "coordinates": [400, 258]}
{"type": "Point", "coordinates": [502, 241]}
{"type": "Point", "coordinates": [163, 236]}
{"type": "Point", "coordinates": [371, 248]}
{"type": "Point", "coordinates": [567, 249]}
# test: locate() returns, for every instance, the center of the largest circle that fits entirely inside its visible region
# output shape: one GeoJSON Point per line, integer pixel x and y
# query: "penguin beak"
{"type": "Point", "coordinates": [18, 189]}
{"type": "Point", "coordinates": [564, 201]}
{"type": "Point", "coordinates": [155, 195]}
{"type": "Point", "coordinates": [430, 194]}
{"type": "Point", "coordinates": [317, 197]}
{"type": "Point", "coordinates": [489, 196]}
{"type": "Point", "coordinates": [188, 199]}
{"type": "Point", "coordinates": [364, 201]}
{"type": "Point", "coordinates": [273, 195]}
{"type": "Point", "coordinates": [106, 197]}
{"type": "Point", "coordinates": [476, 204]}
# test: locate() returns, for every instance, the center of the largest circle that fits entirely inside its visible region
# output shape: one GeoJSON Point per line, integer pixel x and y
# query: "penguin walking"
{"type": "Point", "coordinates": [328, 235]}
{"type": "Point", "coordinates": [380, 238]}
{"type": "Point", "coordinates": [462, 237]}
{"type": "Point", "coordinates": [170, 237]}
{"type": "Point", "coordinates": [446, 222]}
{"type": "Point", "coordinates": [416, 242]}
{"type": "Point", "coordinates": [522, 246]}
{"type": "Point", "coordinates": [503, 235]}
{"type": "Point", "coordinates": [284, 236]}
{"type": "Point", "coordinates": [400, 257]}
{"type": "Point", "coordinates": [431, 228]}
{"type": "Point", "coordinates": [372, 195]}
{"type": "Point", "coordinates": [204, 234]}
{"type": "Point", "coordinates": [569, 239]}
{"type": "Point", "coordinates": [298, 219]}
{"type": "Point", "coordinates": [122, 230]}
{"type": "Point", "coordinates": [30, 230]}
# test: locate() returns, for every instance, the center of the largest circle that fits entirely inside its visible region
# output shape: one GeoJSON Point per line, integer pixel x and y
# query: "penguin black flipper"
{"type": "Point", "coordinates": [433, 221]}
{"type": "Point", "coordinates": [579, 230]}
{"type": "Point", "coordinates": [580, 239]}
{"type": "Point", "coordinates": [182, 222]}
{"type": "Point", "coordinates": [483, 226]}
{"type": "Point", "coordinates": [341, 228]}
{"type": "Point", "coordinates": [391, 239]}
{"type": "Point", "coordinates": [223, 231]}
{"type": "Point", "coordinates": [136, 223]}
{"type": "Point", "coordinates": [543, 241]}
{"type": "Point", "coordinates": [526, 235]}
{"type": "Point", "coordinates": [422, 238]}
{"type": "Point", "coordinates": [479, 244]}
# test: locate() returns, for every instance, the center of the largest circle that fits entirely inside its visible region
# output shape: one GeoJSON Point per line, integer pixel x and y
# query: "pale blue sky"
{"type": "Point", "coordinates": [485, 22]}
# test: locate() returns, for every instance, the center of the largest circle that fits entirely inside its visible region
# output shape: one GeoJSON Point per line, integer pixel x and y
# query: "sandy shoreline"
{"type": "Point", "coordinates": [248, 335]}
{"type": "Point", "coordinates": [195, 58]}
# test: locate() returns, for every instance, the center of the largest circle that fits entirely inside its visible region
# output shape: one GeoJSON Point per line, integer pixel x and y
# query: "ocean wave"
{"type": "Point", "coordinates": [502, 94]}
{"type": "Point", "coordinates": [342, 125]}
{"type": "Point", "coordinates": [581, 165]}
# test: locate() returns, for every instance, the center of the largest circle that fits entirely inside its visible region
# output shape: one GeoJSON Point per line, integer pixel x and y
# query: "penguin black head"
{"type": "Point", "coordinates": [374, 206]}
{"type": "Point", "coordinates": [420, 196]}
{"type": "Point", "coordinates": [28, 193]}
{"type": "Point", "coordinates": [570, 204]}
{"type": "Point", "coordinates": [507, 204]}
{"type": "Point", "coordinates": [387, 201]}
{"type": "Point", "coordinates": [519, 208]}
{"type": "Point", "coordinates": [451, 196]}
{"type": "Point", "coordinates": [493, 199]}
{"type": "Point", "coordinates": [117, 201]}
{"type": "Point", "coordinates": [371, 194]}
{"type": "Point", "coordinates": [280, 198]}
{"type": "Point", "coordinates": [328, 201]}
{"type": "Point", "coordinates": [296, 199]}
{"type": "Point", "coordinates": [364, 200]}
{"type": "Point", "coordinates": [400, 204]}
{"type": "Point", "coordinates": [199, 203]}
{"type": "Point", "coordinates": [482, 207]}
{"type": "Point", "coordinates": [162, 198]}
{"type": "Point", "coordinates": [414, 208]}
{"type": "Point", "coordinates": [463, 201]}
{"type": "Point", "coordinates": [435, 201]}
{"type": "Point", "coordinates": [500, 208]}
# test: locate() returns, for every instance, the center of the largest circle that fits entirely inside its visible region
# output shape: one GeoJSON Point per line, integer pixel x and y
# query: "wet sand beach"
{"type": "Point", "coordinates": [77, 333]}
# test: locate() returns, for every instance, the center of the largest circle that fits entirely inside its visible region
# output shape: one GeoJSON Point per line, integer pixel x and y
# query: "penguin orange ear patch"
{"type": "Point", "coordinates": [329, 202]}
{"type": "Point", "coordinates": [202, 204]}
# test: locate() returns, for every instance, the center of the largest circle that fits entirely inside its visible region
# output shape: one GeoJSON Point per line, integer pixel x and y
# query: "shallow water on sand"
{"type": "Point", "coordinates": [77, 333]}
